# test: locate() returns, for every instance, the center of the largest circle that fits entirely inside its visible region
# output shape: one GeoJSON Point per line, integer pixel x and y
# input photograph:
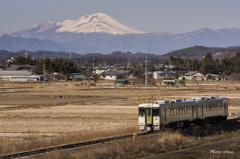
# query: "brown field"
{"type": "Point", "coordinates": [30, 110]}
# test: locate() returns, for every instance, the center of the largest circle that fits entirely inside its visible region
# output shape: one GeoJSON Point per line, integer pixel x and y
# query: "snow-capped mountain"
{"type": "Point", "coordinates": [94, 23]}
{"type": "Point", "coordinates": [99, 33]}
{"type": "Point", "coordinates": [97, 23]}
{"type": "Point", "coordinates": [40, 27]}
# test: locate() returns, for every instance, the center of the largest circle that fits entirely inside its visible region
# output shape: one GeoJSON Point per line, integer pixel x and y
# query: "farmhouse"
{"type": "Point", "coordinates": [78, 76]}
{"type": "Point", "coordinates": [109, 75]}
{"type": "Point", "coordinates": [19, 76]}
{"type": "Point", "coordinates": [210, 77]}
{"type": "Point", "coordinates": [194, 75]}
{"type": "Point", "coordinates": [19, 73]}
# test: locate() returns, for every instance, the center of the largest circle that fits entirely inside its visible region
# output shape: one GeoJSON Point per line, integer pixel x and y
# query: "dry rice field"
{"type": "Point", "coordinates": [29, 109]}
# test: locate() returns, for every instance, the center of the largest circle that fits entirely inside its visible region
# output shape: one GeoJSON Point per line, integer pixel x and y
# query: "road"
{"type": "Point", "coordinates": [199, 149]}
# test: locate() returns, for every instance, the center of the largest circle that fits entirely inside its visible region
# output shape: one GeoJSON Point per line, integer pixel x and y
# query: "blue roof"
{"type": "Point", "coordinates": [164, 72]}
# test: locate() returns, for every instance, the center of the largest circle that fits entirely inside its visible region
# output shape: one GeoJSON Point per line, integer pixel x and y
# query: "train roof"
{"type": "Point", "coordinates": [175, 101]}
{"type": "Point", "coordinates": [145, 105]}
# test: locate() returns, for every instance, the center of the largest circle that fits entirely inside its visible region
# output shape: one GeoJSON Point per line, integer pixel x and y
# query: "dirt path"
{"type": "Point", "coordinates": [208, 149]}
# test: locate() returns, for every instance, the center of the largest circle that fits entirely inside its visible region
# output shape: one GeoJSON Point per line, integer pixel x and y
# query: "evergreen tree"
{"type": "Point", "coordinates": [208, 65]}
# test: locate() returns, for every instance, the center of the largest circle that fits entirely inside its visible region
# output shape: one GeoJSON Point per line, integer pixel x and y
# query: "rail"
{"type": "Point", "coordinates": [71, 145]}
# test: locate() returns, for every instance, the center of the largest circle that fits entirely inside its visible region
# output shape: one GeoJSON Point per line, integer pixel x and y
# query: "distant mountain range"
{"type": "Point", "coordinates": [196, 52]}
{"type": "Point", "coordinates": [18, 43]}
{"type": "Point", "coordinates": [99, 33]}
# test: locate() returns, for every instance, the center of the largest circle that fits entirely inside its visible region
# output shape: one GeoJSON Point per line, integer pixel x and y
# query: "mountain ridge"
{"type": "Point", "coordinates": [94, 23]}
{"type": "Point", "coordinates": [70, 38]}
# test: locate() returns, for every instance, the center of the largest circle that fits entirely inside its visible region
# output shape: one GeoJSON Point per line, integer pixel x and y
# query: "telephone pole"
{"type": "Point", "coordinates": [44, 69]}
{"type": "Point", "coordinates": [146, 73]}
{"type": "Point", "coordinates": [127, 67]}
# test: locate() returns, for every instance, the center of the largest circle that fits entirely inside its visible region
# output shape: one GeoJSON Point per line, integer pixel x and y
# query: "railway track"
{"type": "Point", "coordinates": [71, 145]}
{"type": "Point", "coordinates": [228, 124]}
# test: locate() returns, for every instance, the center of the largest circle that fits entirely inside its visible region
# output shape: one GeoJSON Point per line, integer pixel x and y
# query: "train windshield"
{"type": "Point", "coordinates": [155, 111]}
{"type": "Point", "coordinates": [142, 111]}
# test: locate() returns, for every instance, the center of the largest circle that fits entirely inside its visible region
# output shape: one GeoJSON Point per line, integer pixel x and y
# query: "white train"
{"type": "Point", "coordinates": [182, 113]}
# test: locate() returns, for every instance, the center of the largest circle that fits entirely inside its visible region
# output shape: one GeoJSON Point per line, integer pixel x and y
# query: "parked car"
{"type": "Point", "coordinates": [122, 82]}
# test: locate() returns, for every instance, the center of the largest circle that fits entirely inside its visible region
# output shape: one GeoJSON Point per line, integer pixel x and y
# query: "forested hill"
{"type": "Point", "coordinates": [199, 52]}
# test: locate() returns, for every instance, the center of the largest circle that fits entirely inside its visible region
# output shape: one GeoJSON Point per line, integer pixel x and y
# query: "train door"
{"type": "Point", "coordinates": [148, 116]}
{"type": "Point", "coordinates": [165, 116]}
{"type": "Point", "coordinates": [196, 108]}
{"type": "Point", "coordinates": [225, 107]}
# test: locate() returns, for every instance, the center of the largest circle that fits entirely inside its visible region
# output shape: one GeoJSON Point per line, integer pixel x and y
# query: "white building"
{"type": "Point", "coordinates": [19, 76]}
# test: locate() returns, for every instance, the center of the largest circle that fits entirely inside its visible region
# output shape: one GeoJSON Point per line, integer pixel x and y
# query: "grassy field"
{"type": "Point", "coordinates": [65, 111]}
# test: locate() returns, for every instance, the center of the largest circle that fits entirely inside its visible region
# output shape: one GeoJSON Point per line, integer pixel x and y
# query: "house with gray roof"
{"type": "Point", "coordinates": [19, 73]}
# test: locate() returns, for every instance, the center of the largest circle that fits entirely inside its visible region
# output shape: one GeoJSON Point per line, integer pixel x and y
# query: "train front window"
{"type": "Point", "coordinates": [155, 112]}
{"type": "Point", "coordinates": [142, 112]}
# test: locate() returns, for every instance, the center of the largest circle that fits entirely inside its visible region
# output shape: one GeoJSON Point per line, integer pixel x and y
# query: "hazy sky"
{"type": "Point", "coordinates": [145, 15]}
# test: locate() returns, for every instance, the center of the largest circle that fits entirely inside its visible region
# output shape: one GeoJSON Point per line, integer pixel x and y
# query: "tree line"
{"type": "Point", "coordinates": [224, 66]}
{"type": "Point", "coordinates": [63, 66]}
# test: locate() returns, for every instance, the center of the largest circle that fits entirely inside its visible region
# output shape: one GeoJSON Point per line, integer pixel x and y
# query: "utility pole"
{"type": "Point", "coordinates": [6, 61]}
{"type": "Point", "coordinates": [127, 67]}
{"type": "Point", "coordinates": [44, 69]}
{"type": "Point", "coordinates": [146, 73]}
{"type": "Point", "coordinates": [169, 64]}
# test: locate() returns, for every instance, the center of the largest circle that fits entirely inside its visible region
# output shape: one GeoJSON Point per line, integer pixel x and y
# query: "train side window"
{"type": "Point", "coordinates": [188, 110]}
{"type": "Point", "coordinates": [182, 110]}
{"type": "Point", "coordinates": [142, 112]}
